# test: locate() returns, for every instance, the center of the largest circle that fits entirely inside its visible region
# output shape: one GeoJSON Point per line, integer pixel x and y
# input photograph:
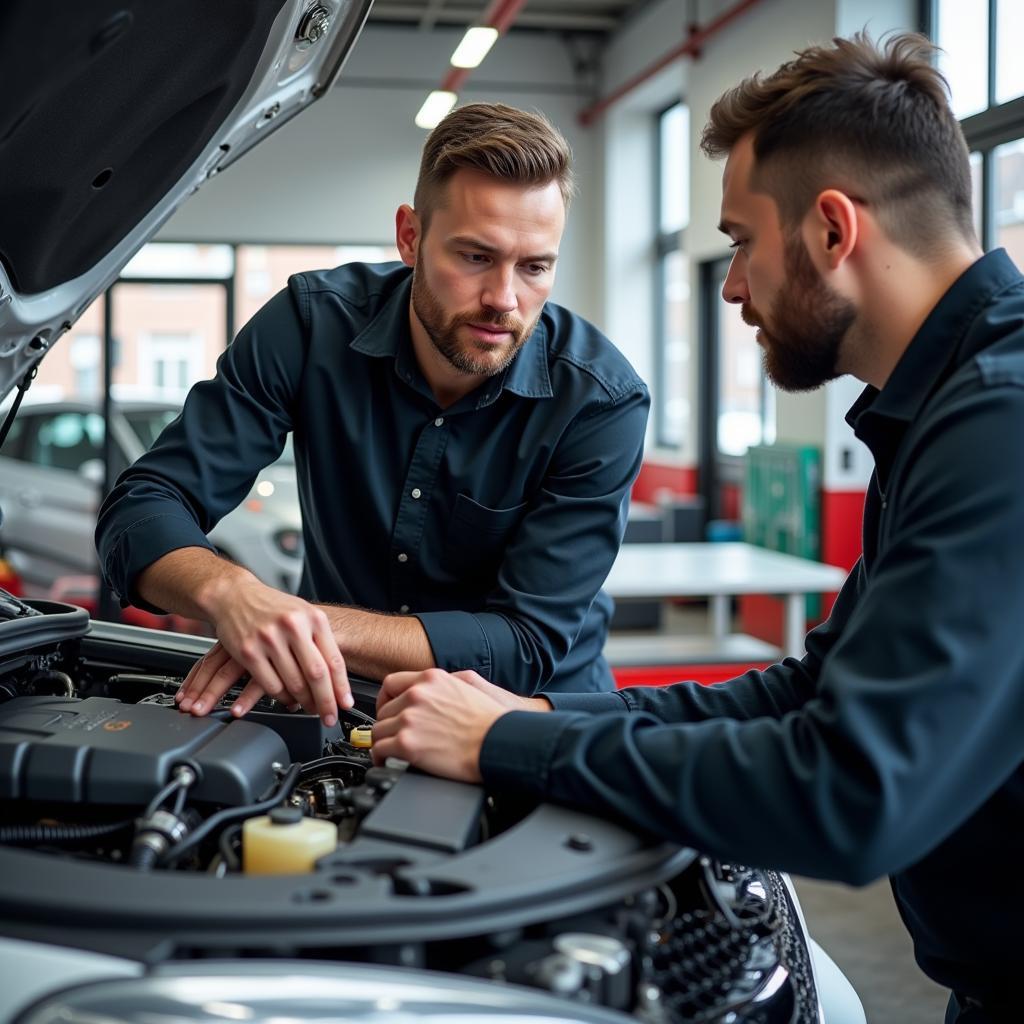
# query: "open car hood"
{"type": "Point", "coordinates": [115, 112]}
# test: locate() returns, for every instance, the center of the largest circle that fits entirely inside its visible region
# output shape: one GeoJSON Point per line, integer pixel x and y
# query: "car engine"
{"type": "Point", "coordinates": [131, 829]}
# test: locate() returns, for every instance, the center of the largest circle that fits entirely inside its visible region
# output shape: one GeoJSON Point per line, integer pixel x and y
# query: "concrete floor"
{"type": "Point", "coordinates": [861, 931]}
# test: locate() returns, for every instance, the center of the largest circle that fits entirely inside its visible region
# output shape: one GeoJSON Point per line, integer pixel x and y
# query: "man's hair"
{"type": "Point", "coordinates": [872, 120]}
{"type": "Point", "coordinates": [512, 145]}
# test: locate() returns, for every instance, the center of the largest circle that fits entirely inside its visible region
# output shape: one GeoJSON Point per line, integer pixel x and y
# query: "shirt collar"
{"type": "Point", "coordinates": [528, 375]}
{"type": "Point", "coordinates": [943, 339]}
{"type": "Point", "coordinates": [388, 334]}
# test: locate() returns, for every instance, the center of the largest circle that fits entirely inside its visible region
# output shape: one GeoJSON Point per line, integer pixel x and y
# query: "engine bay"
{"type": "Point", "coordinates": [131, 829]}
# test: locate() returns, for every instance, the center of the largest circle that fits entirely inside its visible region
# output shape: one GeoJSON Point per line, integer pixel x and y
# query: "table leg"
{"type": "Point", "coordinates": [719, 607]}
{"type": "Point", "coordinates": [796, 626]}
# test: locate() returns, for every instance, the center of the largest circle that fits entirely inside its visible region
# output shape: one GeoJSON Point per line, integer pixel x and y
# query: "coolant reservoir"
{"type": "Point", "coordinates": [285, 842]}
{"type": "Point", "coordinates": [361, 736]}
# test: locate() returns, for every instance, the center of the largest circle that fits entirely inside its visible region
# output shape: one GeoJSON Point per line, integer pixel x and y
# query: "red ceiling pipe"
{"type": "Point", "coordinates": [500, 15]}
{"type": "Point", "coordinates": [690, 46]}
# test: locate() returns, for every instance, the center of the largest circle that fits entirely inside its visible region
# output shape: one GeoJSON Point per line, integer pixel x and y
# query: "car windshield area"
{"type": "Point", "coordinates": [148, 423]}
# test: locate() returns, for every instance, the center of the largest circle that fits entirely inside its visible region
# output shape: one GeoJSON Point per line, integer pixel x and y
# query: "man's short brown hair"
{"type": "Point", "coordinates": [870, 119]}
{"type": "Point", "coordinates": [512, 145]}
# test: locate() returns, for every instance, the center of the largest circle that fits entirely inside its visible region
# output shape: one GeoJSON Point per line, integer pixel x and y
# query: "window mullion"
{"type": "Point", "coordinates": [992, 51]}
{"type": "Point", "coordinates": [988, 199]}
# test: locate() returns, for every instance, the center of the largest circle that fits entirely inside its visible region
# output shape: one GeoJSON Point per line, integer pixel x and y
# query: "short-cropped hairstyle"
{"type": "Point", "coordinates": [516, 146]}
{"type": "Point", "coordinates": [872, 120]}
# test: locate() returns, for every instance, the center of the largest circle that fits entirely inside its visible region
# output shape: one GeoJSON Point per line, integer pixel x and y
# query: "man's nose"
{"type": "Point", "coordinates": [499, 292]}
{"type": "Point", "coordinates": [735, 287]}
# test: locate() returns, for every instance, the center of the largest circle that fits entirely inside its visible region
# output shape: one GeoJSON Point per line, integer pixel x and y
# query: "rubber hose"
{"type": "Point", "coordinates": [20, 834]}
{"type": "Point", "coordinates": [142, 857]}
{"type": "Point", "coordinates": [231, 814]}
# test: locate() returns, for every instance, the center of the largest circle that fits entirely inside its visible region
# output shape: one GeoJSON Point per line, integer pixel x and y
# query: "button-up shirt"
{"type": "Point", "coordinates": [894, 746]}
{"type": "Point", "coordinates": [494, 521]}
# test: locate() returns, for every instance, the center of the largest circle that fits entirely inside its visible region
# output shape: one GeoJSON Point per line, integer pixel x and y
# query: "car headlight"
{"type": "Point", "coordinates": [303, 993]}
{"type": "Point", "coordinates": [289, 542]}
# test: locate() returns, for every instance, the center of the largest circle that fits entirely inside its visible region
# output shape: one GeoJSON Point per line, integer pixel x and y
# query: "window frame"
{"type": "Point", "coordinates": [715, 467]}
{"type": "Point", "coordinates": [990, 128]}
{"type": "Point", "coordinates": [666, 243]}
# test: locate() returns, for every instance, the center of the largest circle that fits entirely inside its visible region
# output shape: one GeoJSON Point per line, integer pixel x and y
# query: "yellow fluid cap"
{"type": "Point", "coordinates": [361, 736]}
{"type": "Point", "coordinates": [285, 844]}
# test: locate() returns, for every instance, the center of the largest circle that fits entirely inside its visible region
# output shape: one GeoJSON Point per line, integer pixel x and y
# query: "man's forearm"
{"type": "Point", "coordinates": [195, 582]}
{"type": "Point", "coordinates": [190, 582]}
{"type": "Point", "coordinates": [375, 644]}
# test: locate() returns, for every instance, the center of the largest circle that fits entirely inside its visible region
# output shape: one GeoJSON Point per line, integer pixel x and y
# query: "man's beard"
{"type": "Point", "coordinates": [471, 358]}
{"type": "Point", "coordinates": [809, 322]}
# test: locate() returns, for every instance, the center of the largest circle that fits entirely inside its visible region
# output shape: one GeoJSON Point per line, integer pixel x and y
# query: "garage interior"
{"type": "Point", "coordinates": [727, 459]}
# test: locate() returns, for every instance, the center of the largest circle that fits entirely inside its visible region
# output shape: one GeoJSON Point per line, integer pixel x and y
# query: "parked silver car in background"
{"type": "Point", "coordinates": [51, 473]}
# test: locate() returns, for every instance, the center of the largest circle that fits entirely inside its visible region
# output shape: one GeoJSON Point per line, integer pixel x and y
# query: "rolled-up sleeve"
{"type": "Point", "coordinates": [205, 462]}
{"type": "Point", "coordinates": [558, 558]}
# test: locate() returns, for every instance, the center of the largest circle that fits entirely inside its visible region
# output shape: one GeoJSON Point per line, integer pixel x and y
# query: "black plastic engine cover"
{"type": "Point", "coordinates": [101, 751]}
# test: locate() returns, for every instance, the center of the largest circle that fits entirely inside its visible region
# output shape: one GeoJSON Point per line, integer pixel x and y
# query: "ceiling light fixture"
{"type": "Point", "coordinates": [475, 45]}
{"type": "Point", "coordinates": [498, 18]}
{"type": "Point", "coordinates": [435, 106]}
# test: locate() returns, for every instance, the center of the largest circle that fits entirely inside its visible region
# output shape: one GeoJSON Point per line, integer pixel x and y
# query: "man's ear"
{"type": "Point", "coordinates": [407, 234]}
{"type": "Point", "coordinates": [832, 227]}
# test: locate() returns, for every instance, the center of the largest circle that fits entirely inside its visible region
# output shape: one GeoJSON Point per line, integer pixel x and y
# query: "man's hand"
{"type": "Point", "coordinates": [509, 701]}
{"type": "Point", "coordinates": [436, 721]}
{"type": "Point", "coordinates": [286, 646]}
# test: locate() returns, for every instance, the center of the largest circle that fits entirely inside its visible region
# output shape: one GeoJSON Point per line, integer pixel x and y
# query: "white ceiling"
{"type": "Point", "coordinates": [600, 17]}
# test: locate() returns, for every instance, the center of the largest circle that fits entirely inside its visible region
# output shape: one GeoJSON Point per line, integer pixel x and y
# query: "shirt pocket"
{"type": "Point", "coordinates": [477, 537]}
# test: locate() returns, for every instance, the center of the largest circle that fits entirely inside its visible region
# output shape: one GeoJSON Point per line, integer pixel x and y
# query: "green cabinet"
{"type": "Point", "coordinates": [781, 505]}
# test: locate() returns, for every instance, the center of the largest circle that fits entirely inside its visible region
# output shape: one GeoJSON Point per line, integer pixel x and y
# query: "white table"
{"type": "Point", "coordinates": [720, 572]}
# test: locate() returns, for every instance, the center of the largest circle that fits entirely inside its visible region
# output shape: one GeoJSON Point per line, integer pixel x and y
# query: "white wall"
{"type": "Point", "coordinates": [659, 28]}
{"type": "Point", "coordinates": [338, 172]}
{"type": "Point", "coordinates": [877, 16]}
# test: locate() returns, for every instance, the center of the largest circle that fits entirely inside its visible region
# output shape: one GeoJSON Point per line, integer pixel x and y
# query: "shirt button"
{"type": "Point", "coordinates": [403, 557]}
{"type": "Point", "coordinates": [438, 421]}
{"type": "Point", "coordinates": [416, 492]}
{"type": "Point", "coordinates": [404, 609]}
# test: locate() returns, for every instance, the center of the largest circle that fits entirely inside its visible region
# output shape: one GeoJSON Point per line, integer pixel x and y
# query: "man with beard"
{"type": "Point", "coordinates": [894, 745]}
{"type": "Point", "coordinates": [464, 448]}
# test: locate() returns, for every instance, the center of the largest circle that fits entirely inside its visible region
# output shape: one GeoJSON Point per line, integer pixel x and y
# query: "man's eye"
{"type": "Point", "coordinates": [739, 243]}
{"type": "Point", "coordinates": [475, 258]}
{"type": "Point", "coordinates": [536, 268]}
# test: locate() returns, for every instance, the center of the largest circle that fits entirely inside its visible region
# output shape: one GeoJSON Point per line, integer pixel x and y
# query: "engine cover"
{"type": "Point", "coordinates": [100, 751]}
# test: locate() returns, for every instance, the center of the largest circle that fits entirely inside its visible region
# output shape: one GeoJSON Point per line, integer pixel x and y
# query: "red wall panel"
{"type": "Point", "coordinates": [657, 477]}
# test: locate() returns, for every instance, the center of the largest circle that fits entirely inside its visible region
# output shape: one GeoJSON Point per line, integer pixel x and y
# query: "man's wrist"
{"type": "Point", "coordinates": [220, 587]}
{"type": "Point", "coordinates": [539, 704]}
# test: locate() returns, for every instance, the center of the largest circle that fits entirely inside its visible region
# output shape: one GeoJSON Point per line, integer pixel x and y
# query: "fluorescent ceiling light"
{"type": "Point", "coordinates": [435, 106]}
{"type": "Point", "coordinates": [474, 47]}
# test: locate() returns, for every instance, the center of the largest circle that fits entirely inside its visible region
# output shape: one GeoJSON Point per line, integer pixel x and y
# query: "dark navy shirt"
{"type": "Point", "coordinates": [494, 521]}
{"type": "Point", "coordinates": [895, 745]}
